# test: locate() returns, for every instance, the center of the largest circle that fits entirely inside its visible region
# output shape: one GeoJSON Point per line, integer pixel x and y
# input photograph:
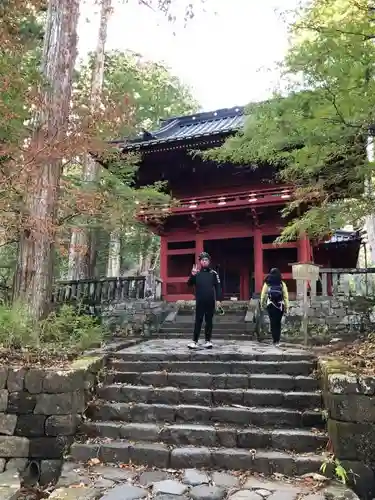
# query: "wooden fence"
{"type": "Point", "coordinates": [346, 282]}
{"type": "Point", "coordinates": [94, 292]}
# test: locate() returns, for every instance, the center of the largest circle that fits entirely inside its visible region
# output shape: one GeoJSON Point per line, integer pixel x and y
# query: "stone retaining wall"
{"type": "Point", "coordinates": [40, 412]}
{"type": "Point", "coordinates": [329, 317]}
{"type": "Point", "coordinates": [349, 399]}
{"type": "Point", "coordinates": [135, 317]}
{"type": "Point", "coordinates": [339, 313]}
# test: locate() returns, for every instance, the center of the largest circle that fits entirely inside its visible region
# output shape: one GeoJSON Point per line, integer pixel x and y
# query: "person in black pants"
{"type": "Point", "coordinates": [207, 297]}
{"type": "Point", "coordinates": [275, 297]}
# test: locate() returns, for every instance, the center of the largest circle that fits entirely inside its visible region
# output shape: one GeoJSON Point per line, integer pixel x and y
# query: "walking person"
{"type": "Point", "coordinates": [275, 298]}
{"type": "Point", "coordinates": [207, 298]}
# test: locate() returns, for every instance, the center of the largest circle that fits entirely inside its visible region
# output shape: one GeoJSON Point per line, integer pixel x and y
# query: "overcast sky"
{"type": "Point", "coordinates": [226, 55]}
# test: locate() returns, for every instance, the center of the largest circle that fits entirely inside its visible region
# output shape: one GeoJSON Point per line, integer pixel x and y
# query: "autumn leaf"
{"type": "Point", "coordinates": [93, 461]}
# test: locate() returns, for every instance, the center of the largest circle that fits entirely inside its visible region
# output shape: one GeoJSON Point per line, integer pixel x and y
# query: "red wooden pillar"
{"type": "Point", "coordinates": [304, 249]}
{"type": "Point", "coordinates": [258, 260]}
{"type": "Point", "coordinates": [164, 264]}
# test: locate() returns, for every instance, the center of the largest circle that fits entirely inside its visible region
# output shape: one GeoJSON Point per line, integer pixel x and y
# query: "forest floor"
{"type": "Point", "coordinates": [359, 354]}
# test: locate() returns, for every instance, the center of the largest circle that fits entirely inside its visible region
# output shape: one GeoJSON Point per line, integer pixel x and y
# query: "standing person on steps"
{"type": "Point", "coordinates": [275, 297]}
{"type": "Point", "coordinates": [207, 296]}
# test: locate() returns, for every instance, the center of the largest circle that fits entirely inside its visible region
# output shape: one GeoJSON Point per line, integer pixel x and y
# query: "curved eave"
{"type": "Point", "coordinates": [158, 146]}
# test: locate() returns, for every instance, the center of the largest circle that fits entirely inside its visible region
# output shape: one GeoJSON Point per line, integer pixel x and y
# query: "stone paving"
{"type": "Point", "coordinates": [9, 485]}
{"type": "Point", "coordinates": [109, 482]}
{"type": "Point", "coordinates": [229, 348]}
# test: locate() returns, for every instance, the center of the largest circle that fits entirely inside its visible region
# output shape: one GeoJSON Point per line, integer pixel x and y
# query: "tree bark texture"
{"type": "Point", "coordinates": [33, 280]}
{"type": "Point", "coordinates": [83, 246]}
{"type": "Point", "coordinates": [149, 250]}
{"type": "Point", "coordinates": [114, 255]}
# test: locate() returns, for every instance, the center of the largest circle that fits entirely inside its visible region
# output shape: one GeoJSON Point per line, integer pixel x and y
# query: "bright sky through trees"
{"type": "Point", "coordinates": [225, 57]}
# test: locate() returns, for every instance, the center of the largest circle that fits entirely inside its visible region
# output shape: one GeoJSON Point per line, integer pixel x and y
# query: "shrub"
{"type": "Point", "coordinates": [65, 328]}
{"type": "Point", "coordinates": [71, 327]}
{"type": "Point", "coordinates": [16, 327]}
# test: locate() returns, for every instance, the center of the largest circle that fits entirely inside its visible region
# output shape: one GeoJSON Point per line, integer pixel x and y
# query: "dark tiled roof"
{"type": "Point", "coordinates": [198, 126]}
{"type": "Point", "coordinates": [342, 235]}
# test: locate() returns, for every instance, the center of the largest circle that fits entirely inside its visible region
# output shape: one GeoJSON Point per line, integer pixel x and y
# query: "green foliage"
{"type": "Point", "coordinates": [71, 326]}
{"type": "Point", "coordinates": [20, 38]}
{"type": "Point", "coordinates": [67, 328]}
{"type": "Point", "coordinates": [8, 258]}
{"type": "Point", "coordinates": [16, 327]}
{"type": "Point", "coordinates": [142, 92]}
{"type": "Point", "coordinates": [315, 135]}
{"type": "Point", "coordinates": [338, 469]}
{"type": "Point", "coordinates": [147, 90]}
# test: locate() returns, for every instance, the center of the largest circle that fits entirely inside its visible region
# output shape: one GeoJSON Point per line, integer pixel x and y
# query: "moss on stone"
{"type": "Point", "coordinates": [331, 366]}
{"type": "Point", "coordinates": [88, 363]}
{"type": "Point", "coordinates": [334, 365]}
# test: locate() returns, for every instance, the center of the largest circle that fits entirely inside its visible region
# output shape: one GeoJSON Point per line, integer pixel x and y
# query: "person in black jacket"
{"type": "Point", "coordinates": [207, 297]}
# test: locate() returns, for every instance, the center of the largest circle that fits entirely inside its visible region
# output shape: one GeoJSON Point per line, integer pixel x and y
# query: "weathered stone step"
{"type": "Point", "coordinates": [216, 367]}
{"type": "Point", "coordinates": [177, 334]}
{"type": "Point", "coordinates": [228, 316]}
{"type": "Point", "coordinates": [160, 455]}
{"type": "Point", "coordinates": [214, 355]}
{"type": "Point", "coordinates": [259, 417]}
{"type": "Point", "coordinates": [297, 440]}
{"type": "Point", "coordinates": [208, 381]}
{"type": "Point", "coordinates": [172, 395]}
{"type": "Point", "coordinates": [228, 327]}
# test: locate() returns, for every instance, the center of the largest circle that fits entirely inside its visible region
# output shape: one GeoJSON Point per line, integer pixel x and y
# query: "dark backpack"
{"type": "Point", "coordinates": [275, 293]}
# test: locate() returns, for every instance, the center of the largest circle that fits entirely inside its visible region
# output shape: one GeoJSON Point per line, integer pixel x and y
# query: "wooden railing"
{"type": "Point", "coordinates": [250, 197]}
{"type": "Point", "coordinates": [346, 282]}
{"type": "Point", "coordinates": [107, 290]}
{"type": "Point", "coordinates": [256, 197]}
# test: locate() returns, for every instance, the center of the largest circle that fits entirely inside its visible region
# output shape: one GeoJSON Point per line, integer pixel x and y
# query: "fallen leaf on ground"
{"type": "Point", "coordinates": [93, 461]}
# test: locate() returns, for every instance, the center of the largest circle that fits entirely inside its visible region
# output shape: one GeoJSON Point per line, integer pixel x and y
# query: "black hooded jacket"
{"type": "Point", "coordinates": [207, 285]}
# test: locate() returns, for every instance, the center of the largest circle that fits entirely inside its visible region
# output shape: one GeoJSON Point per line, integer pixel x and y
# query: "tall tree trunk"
{"type": "Point", "coordinates": [34, 274]}
{"type": "Point", "coordinates": [149, 253]}
{"type": "Point", "coordinates": [77, 256]}
{"type": "Point", "coordinates": [155, 253]}
{"type": "Point", "coordinates": [114, 255]}
{"type": "Point", "coordinates": [83, 248]}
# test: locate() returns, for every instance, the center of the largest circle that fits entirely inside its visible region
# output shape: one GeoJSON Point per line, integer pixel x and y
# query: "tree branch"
{"type": "Point", "coordinates": [322, 29]}
{"type": "Point", "coordinates": [339, 114]}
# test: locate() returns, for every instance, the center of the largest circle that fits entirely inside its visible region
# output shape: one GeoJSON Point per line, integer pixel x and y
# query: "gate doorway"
{"type": "Point", "coordinates": [233, 259]}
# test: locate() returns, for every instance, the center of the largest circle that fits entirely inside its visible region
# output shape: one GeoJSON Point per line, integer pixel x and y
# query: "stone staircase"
{"type": "Point", "coordinates": [235, 324]}
{"type": "Point", "coordinates": [241, 405]}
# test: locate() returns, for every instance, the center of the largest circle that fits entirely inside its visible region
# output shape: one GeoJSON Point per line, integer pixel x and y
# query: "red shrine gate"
{"type": "Point", "coordinates": [232, 212]}
{"type": "Point", "coordinates": [241, 256]}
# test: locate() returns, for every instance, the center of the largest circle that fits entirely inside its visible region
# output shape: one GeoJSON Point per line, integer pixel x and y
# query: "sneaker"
{"type": "Point", "coordinates": [193, 345]}
{"type": "Point", "coordinates": [207, 345]}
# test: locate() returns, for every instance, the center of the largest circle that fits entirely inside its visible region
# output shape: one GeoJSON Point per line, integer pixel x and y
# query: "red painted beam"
{"type": "Point", "coordinates": [273, 246]}
{"type": "Point", "coordinates": [181, 251]}
{"type": "Point", "coordinates": [178, 279]}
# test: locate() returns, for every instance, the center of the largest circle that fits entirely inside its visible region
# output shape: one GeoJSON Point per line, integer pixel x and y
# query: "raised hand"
{"type": "Point", "coordinates": [194, 270]}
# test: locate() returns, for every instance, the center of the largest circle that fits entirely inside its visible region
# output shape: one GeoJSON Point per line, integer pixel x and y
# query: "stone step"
{"type": "Point", "coordinates": [196, 365]}
{"type": "Point", "coordinates": [178, 334]}
{"type": "Point", "coordinates": [237, 415]}
{"type": "Point", "coordinates": [184, 316]}
{"type": "Point", "coordinates": [160, 455]}
{"type": "Point", "coordinates": [228, 327]}
{"type": "Point", "coordinates": [213, 355]}
{"type": "Point", "coordinates": [297, 440]}
{"type": "Point", "coordinates": [201, 397]}
{"type": "Point", "coordinates": [207, 381]}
